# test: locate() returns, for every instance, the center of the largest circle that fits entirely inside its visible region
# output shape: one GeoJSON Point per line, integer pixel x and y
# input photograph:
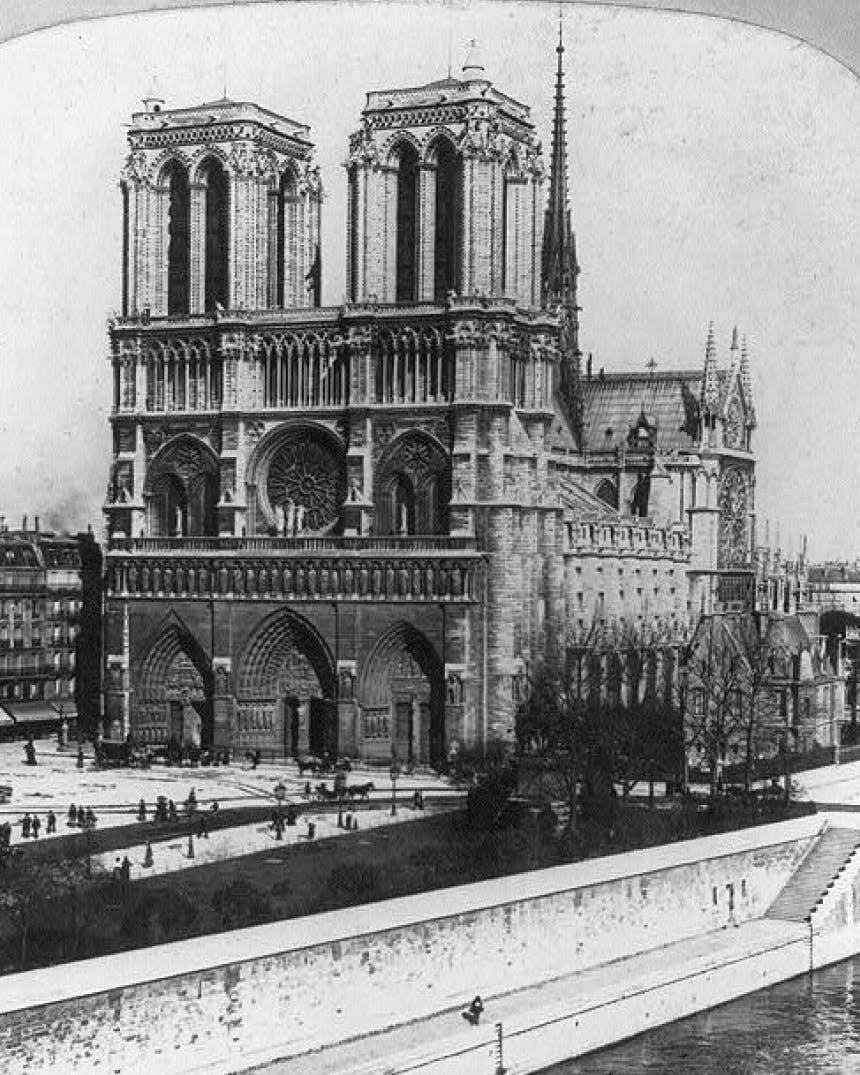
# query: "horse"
{"type": "Point", "coordinates": [360, 791]}
{"type": "Point", "coordinates": [309, 763]}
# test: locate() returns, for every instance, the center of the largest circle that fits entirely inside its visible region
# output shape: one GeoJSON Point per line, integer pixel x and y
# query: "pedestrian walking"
{"type": "Point", "coordinates": [147, 857]}
{"type": "Point", "coordinates": [141, 810]}
{"type": "Point", "coordinates": [472, 1014]}
{"type": "Point", "coordinates": [72, 818]}
{"type": "Point", "coordinates": [51, 823]}
{"type": "Point", "coordinates": [82, 817]}
{"type": "Point", "coordinates": [80, 757]}
{"type": "Point", "coordinates": [125, 869]}
{"type": "Point", "coordinates": [36, 825]}
{"type": "Point", "coordinates": [90, 818]}
{"type": "Point", "coordinates": [25, 826]}
{"type": "Point", "coordinates": [171, 811]}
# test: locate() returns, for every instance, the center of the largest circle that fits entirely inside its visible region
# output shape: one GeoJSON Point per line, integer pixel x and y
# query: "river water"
{"type": "Point", "coordinates": [807, 1026]}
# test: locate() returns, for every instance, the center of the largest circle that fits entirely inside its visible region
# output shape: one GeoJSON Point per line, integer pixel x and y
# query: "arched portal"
{"type": "Point", "coordinates": [173, 698]}
{"type": "Point", "coordinates": [217, 283]}
{"type": "Point", "coordinates": [401, 695]}
{"type": "Point", "coordinates": [175, 179]}
{"type": "Point", "coordinates": [448, 215]}
{"type": "Point", "coordinates": [285, 695]}
{"type": "Point", "coordinates": [413, 487]}
{"type": "Point", "coordinates": [407, 222]}
{"type": "Point", "coordinates": [181, 491]}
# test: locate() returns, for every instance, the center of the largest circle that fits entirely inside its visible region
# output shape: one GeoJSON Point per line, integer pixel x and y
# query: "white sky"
{"type": "Point", "coordinates": [713, 173]}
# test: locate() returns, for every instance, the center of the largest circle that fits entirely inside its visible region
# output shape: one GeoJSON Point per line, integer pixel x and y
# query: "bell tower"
{"type": "Point", "coordinates": [221, 209]}
{"type": "Point", "coordinates": [445, 195]}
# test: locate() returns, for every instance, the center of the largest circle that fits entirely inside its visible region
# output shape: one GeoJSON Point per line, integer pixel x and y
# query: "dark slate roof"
{"type": "Point", "coordinates": [613, 403]}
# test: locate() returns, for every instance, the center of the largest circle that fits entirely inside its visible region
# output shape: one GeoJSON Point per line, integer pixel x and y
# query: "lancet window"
{"type": "Point", "coordinates": [182, 377]}
{"type": "Point", "coordinates": [178, 243]}
{"type": "Point", "coordinates": [412, 368]}
{"type": "Point", "coordinates": [407, 223]}
{"type": "Point", "coordinates": [303, 372]}
{"type": "Point", "coordinates": [216, 289]}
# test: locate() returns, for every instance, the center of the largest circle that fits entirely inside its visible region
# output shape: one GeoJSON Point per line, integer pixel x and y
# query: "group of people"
{"type": "Point", "coordinates": [122, 870]}
{"type": "Point", "coordinates": [31, 825]}
{"type": "Point", "coordinates": [78, 817]}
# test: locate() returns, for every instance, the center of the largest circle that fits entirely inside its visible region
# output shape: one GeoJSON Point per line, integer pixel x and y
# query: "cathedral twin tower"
{"type": "Point", "coordinates": [344, 528]}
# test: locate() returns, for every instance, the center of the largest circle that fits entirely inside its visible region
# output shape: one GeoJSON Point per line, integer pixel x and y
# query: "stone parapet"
{"type": "Point", "coordinates": [625, 538]}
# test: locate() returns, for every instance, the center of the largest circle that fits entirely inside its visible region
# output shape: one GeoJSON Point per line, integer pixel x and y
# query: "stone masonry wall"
{"type": "Point", "coordinates": [285, 988]}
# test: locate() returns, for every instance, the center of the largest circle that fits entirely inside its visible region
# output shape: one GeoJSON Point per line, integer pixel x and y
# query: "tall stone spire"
{"type": "Point", "coordinates": [559, 268]}
{"type": "Point", "coordinates": [746, 383]}
{"type": "Point", "coordinates": [710, 383]}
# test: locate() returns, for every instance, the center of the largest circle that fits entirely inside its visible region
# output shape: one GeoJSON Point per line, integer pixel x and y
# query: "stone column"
{"type": "Point", "coordinates": [156, 260]}
{"type": "Point", "coordinates": [197, 253]}
{"type": "Point", "coordinates": [304, 743]}
{"type": "Point", "coordinates": [273, 299]}
{"type": "Point", "coordinates": [426, 232]}
{"type": "Point", "coordinates": [222, 702]}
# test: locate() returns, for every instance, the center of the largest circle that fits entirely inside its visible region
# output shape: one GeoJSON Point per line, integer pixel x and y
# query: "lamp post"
{"type": "Point", "coordinates": [89, 825]}
{"type": "Point", "coordinates": [394, 772]}
{"type": "Point", "coordinates": [280, 795]}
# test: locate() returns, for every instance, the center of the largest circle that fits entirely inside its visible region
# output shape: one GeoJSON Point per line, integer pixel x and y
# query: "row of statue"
{"type": "Point", "coordinates": [319, 578]}
{"type": "Point", "coordinates": [290, 518]}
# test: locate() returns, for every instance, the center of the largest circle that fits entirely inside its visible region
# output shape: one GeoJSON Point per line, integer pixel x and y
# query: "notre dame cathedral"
{"type": "Point", "coordinates": [358, 528]}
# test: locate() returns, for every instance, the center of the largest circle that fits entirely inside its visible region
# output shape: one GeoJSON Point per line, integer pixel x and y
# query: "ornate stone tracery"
{"type": "Point", "coordinates": [734, 505]}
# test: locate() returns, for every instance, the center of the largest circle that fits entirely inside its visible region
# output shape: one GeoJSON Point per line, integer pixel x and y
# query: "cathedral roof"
{"type": "Point", "coordinates": [615, 403]}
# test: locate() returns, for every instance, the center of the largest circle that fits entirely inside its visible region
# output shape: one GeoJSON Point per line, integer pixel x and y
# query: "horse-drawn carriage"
{"type": "Point", "coordinates": [310, 763]}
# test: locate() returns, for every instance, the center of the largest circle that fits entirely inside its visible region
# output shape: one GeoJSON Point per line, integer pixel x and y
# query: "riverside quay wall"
{"type": "Point", "coordinates": [228, 1001]}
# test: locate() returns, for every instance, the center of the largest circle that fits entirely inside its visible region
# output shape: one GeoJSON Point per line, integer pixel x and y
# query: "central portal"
{"type": "Point", "coordinates": [285, 696]}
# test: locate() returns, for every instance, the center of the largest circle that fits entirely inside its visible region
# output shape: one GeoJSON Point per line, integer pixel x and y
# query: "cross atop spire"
{"type": "Point", "coordinates": [559, 244]}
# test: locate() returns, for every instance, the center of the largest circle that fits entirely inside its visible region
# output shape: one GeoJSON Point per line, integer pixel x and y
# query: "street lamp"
{"type": "Point", "coordinates": [280, 795]}
{"type": "Point", "coordinates": [89, 825]}
{"type": "Point", "coordinates": [394, 772]}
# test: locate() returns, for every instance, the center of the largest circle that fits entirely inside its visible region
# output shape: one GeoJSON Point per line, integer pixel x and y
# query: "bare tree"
{"type": "Point", "coordinates": [594, 719]}
{"type": "Point", "coordinates": [729, 701]}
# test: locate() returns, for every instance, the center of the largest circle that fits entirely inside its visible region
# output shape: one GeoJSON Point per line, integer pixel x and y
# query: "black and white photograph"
{"type": "Point", "coordinates": [429, 567]}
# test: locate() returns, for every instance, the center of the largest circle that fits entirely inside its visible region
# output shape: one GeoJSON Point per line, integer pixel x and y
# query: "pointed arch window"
{"type": "Point", "coordinates": [448, 224]}
{"type": "Point", "coordinates": [178, 244]}
{"type": "Point", "coordinates": [407, 223]}
{"type": "Point", "coordinates": [216, 289]}
{"type": "Point", "coordinates": [607, 491]}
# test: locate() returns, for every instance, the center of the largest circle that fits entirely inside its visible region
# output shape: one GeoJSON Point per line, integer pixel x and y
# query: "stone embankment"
{"type": "Point", "coordinates": [566, 959]}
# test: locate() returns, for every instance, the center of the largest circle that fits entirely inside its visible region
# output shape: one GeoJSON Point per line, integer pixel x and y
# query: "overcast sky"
{"type": "Point", "coordinates": [713, 177]}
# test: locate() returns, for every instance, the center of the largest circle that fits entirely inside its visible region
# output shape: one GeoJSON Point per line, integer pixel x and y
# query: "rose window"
{"type": "Point", "coordinates": [307, 475]}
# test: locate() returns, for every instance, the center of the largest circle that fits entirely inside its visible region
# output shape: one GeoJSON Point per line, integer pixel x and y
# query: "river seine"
{"type": "Point", "coordinates": [808, 1026]}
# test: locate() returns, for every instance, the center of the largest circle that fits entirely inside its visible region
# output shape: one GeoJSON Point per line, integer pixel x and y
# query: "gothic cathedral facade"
{"type": "Point", "coordinates": [357, 529]}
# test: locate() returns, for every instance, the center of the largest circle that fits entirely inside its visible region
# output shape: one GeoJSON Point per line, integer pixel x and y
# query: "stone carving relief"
{"type": "Point", "coordinates": [734, 506]}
